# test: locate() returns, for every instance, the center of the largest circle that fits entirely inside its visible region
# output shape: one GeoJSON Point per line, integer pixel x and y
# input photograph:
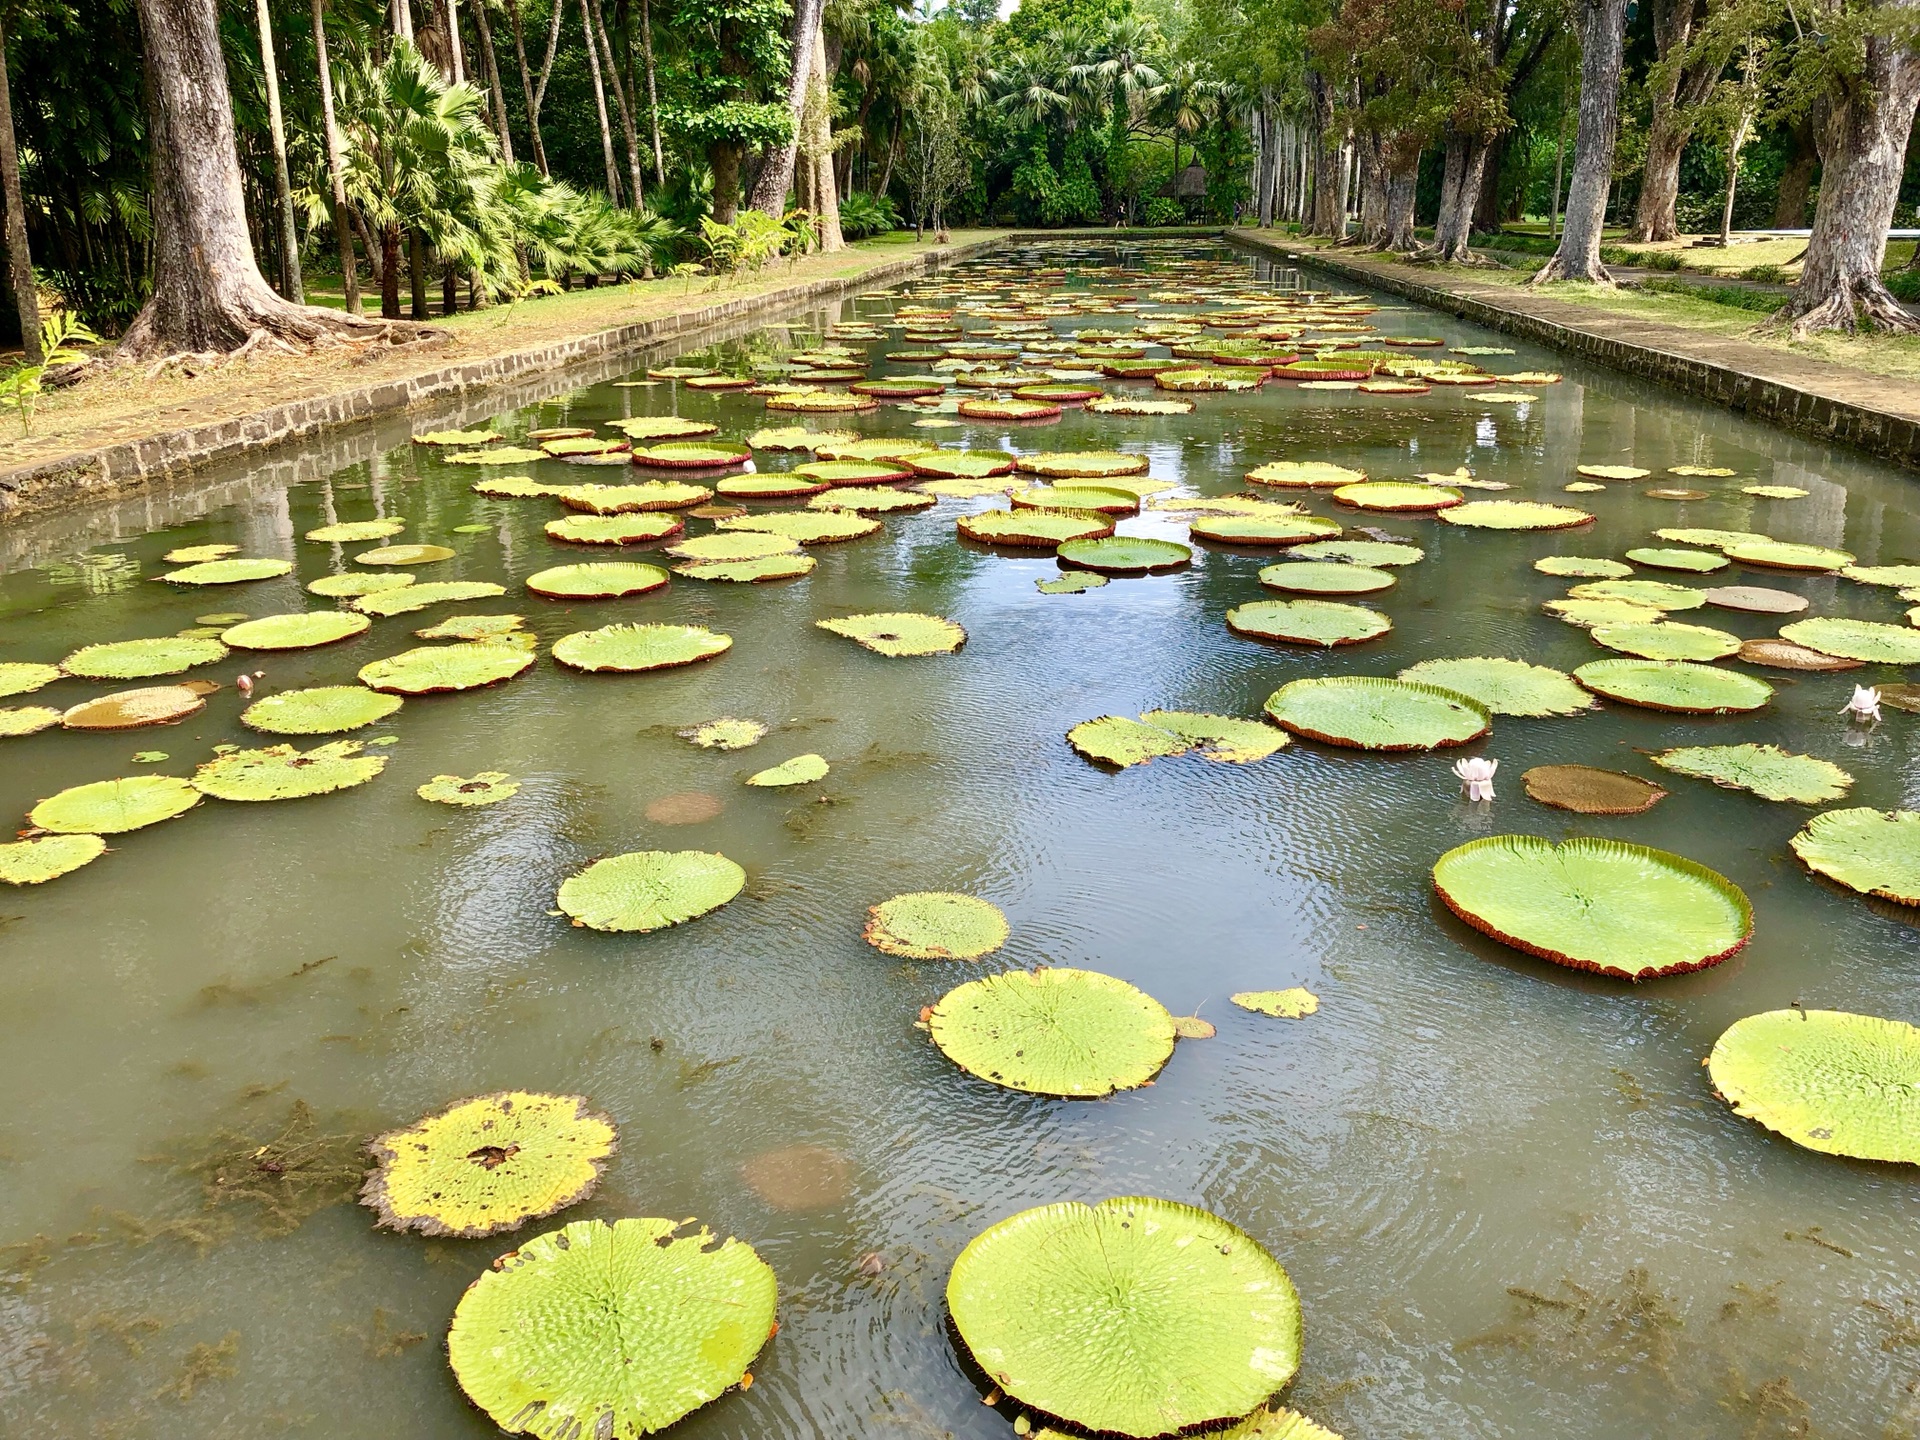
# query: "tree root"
{"type": "Point", "coordinates": [359, 336]}
{"type": "Point", "coordinates": [1854, 307]}
{"type": "Point", "coordinates": [1558, 269]}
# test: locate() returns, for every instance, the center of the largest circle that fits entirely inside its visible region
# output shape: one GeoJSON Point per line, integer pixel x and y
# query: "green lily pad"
{"type": "Point", "coordinates": [1103, 500]}
{"type": "Point", "coordinates": [1775, 555]}
{"type": "Point", "coordinates": [113, 807]}
{"type": "Point", "coordinates": [1305, 475]}
{"type": "Point", "coordinates": [899, 632]}
{"type": "Point", "coordinates": [457, 437]}
{"type": "Point", "coordinates": [516, 487]}
{"type": "Point", "coordinates": [571, 446]}
{"type": "Point", "coordinates": [326, 710]}
{"type": "Point", "coordinates": [404, 555]}
{"type": "Point", "coordinates": [798, 437]}
{"type": "Point", "coordinates": [781, 485]}
{"type": "Point", "coordinates": [474, 627]}
{"type": "Point", "coordinates": [806, 527]}
{"type": "Point", "coordinates": [1865, 640]}
{"type": "Point", "coordinates": [1514, 515]}
{"type": "Point", "coordinates": [1675, 685]}
{"type": "Point", "coordinates": [1307, 622]}
{"type": "Point", "coordinates": [499, 455]}
{"type": "Point", "coordinates": [646, 890]}
{"type": "Point", "coordinates": [663, 427]}
{"type": "Point", "coordinates": [731, 547]}
{"type": "Point", "coordinates": [1368, 712]}
{"type": "Point", "coordinates": [1874, 852]}
{"type": "Point", "coordinates": [1264, 531]}
{"type": "Point", "coordinates": [1894, 577]}
{"type": "Point", "coordinates": [1225, 738]}
{"type": "Point", "coordinates": [1587, 567]}
{"type": "Point", "coordinates": [438, 669]}
{"type": "Point", "coordinates": [281, 772]}
{"type": "Point", "coordinates": [1832, 1081]}
{"type": "Point", "coordinates": [1601, 905]}
{"type": "Point", "coordinates": [135, 709]}
{"type": "Point", "coordinates": [1033, 529]}
{"type": "Point", "coordinates": [628, 499]}
{"type": "Point", "coordinates": [1657, 593]}
{"type": "Point", "coordinates": [800, 770]}
{"type": "Point", "coordinates": [876, 500]}
{"type": "Point", "coordinates": [410, 598]}
{"type": "Point", "coordinates": [1397, 495]}
{"type": "Point", "coordinates": [1712, 539]}
{"type": "Point", "coordinates": [1071, 464]}
{"type": "Point", "coordinates": [489, 1164]}
{"type": "Point", "coordinates": [301, 631]}
{"type": "Point", "coordinates": [228, 572]}
{"type": "Point", "coordinates": [27, 720]}
{"type": "Point", "coordinates": [1292, 1004]}
{"type": "Point", "coordinates": [630, 649]}
{"type": "Point", "coordinates": [1593, 613]}
{"type": "Point", "coordinates": [141, 659]}
{"type": "Point", "coordinates": [844, 445]}
{"type": "Point", "coordinates": [1212, 378]}
{"type": "Point", "coordinates": [488, 787]}
{"type": "Point", "coordinates": [1138, 1317]}
{"type": "Point", "coordinates": [606, 580]}
{"type": "Point", "coordinates": [725, 733]}
{"type": "Point", "coordinates": [1766, 770]}
{"type": "Point", "coordinates": [352, 531]}
{"type": "Point", "coordinates": [1124, 554]}
{"type": "Point", "coordinates": [936, 925]}
{"type": "Point", "coordinates": [1061, 1032]}
{"type": "Point", "coordinates": [1325, 577]}
{"type": "Point", "coordinates": [348, 587]}
{"type": "Point", "coordinates": [820, 402]}
{"type": "Point", "coordinates": [692, 454]}
{"type": "Point", "coordinates": [634, 529]}
{"type": "Point", "coordinates": [1665, 640]}
{"type": "Point", "coordinates": [852, 472]}
{"type": "Point", "coordinates": [41, 858]}
{"type": "Point", "coordinates": [195, 554]}
{"type": "Point", "coordinates": [1116, 740]}
{"type": "Point", "coordinates": [959, 464]}
{"type": "Point", "coordinates": [1139, 405]}
{"type": "Point", "coordinates": [1505, 687]}
{"type": "Point", "coordinates": [1699, 561]}
{"type": "Point", "coordinates": [610, 1330]}
{"type": "Point", "coordinates": [23, 677]}
{"type": "Point", "coordinates": [1074, 582]}
{"type": "Point", "coordinates": [748, 572]}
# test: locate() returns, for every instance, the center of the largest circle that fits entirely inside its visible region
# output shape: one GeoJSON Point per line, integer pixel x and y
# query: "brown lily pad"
{"type": "Point", "coordinates": [1901, 696]}
{"type": "Point", "coordinates": [689, 807]}
{"type": "Point", "coordinates": [1671, 494]}
{"type": "Point", "coordinates": [799, 1177]}
{"type": "Point", "coordinates": [136, 709]}
{"type": "Point", "coordinates": [1589, 790]}
{"type": "Point", "coordinates": [1778, 654]}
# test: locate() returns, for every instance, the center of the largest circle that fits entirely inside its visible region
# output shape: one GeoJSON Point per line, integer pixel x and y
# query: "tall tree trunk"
{"type": "Point", "coordinates": [1486, 217]}
{"type": "Point", "coordinates": [1862, 127]}
{"type": "Point", "coordinates": [342, 227]}
{"type": "Point", "coordinates": [452, 20]}
{"type": "Point", "coordinates": [1459, 196]}
{"type": "Point", "coordinates": [826, 199]}
{"type": "Point", "coordinates": [637, 195]}
{"type": "Point", "coordinates": [1559, 169]}
{"type": "Point", "coordinates": [1403, 180]}
{"type": "Point", "coordinates": [282, 184]}
{"type": "Point", "coordinates": [19, 257]}
{"type": "Point", "coordinates": [449, 290]}
{"type": "Point", "coordinates": [1796, 180]}
{"type": "Point", "coordinates": [208, 293]}
{"type": "Point", "coordinates": [495, 91]}
{"type": "Point", "coordinates": [1602, 46]}
{"type": "Point", "coordinates": [417, 272]}
{"type": "Point", "coordinates": [653, 94]}
{"type": "Point", "coordinates": [776, 177]}
{"type": "Point", "coordinates": [528, 94]}
{"type": "Point", "coordinates": [725, 160]}
{"type": "Point", "coordinates": [1677, 93]}
{"type": "Point", "coordinates": [402, 20]}
{"type": "Point", "coordinates": [600, 102]}
{"type": "Point", "coordinates": [1269, 166]}
{"type": "Point", "coordinates": [1373, 189]}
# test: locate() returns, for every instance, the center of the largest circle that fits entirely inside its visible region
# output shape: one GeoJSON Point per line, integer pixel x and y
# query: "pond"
{"type": "Point", "coordinates": [1510, 1200]}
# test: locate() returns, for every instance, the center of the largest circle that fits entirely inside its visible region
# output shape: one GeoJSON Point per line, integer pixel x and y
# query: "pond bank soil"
{"type": "Point", "coordinates": [120, 430]}
{"type": "Point", "coordinates": [1879, 414]}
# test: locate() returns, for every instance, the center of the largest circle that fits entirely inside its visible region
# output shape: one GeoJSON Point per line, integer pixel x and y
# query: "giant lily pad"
{"type": "Point", "coordinates": [725, 733]}
{"type": "Point", "coordinates": [194, 554]}
{"type": "Point", "coordinates": [498, 455]}
{"type": "Point", "coordinates": [779, 485]}
{"type": "Point", "coordinates": [634, 529]}
{"type": "Point", "coordinates": [488, 1165]}
{"type": "Point", "coordinates": [1766, 770]}
{"type": "Point", "coordinates": [600, 1330]}
{"type": "Point", "coordinates": [228, 572]}
{"type": "Point", "coordinates": [1307, 622]}
{"type": "Point", "coordinates": [748, 572]}
{"type": "Point", "coordinates": [899, 632]}
{"type": "Point", "coordinates": [1260, 530]}
{"type": "Point", "coordinates": [41, 858]}
{"type": "Point", "coordinates": [1584, 567]}
{"type": "Point", "coordinates": [936, 925]}
{"type": "Point", "coordinates": [627, 499]}
{"type": "Point", "coordinates": [1874, 852]}
{"type": "Point", "coordinates": [1033, 529]}
{"type": "Point", "coordinates": [1225, 738]}
{"type": "Point", "coordinates": [692, 455]}
{"type": "Point", "coordinates": [1664, 640]}
{"type": "Point", "coordinates": [1325, 577]}
{"type": "Point", "coordinates": [1397, 495]}
{"type": "Point", "coordinates": [1839, 1083]}
{"type": "Point", "coordinates": [19, 720]}
{"type": "Point", "coordinates": [134, 709]}
{"type": "Point", "coordinates": [436, 669]}
{"type": "Point", "coordinates": [489, 787]}
{"type": "Point", "coordinates": [410, 598]}
{"type": "Point", "coordinates": [1102, 464]}
{"type": "Point", "coordinates": [663, 427]}
{"type": "Point", "coordinates": [732, 547]}
{"type": "Point", "coordinates": [327, 710]}
{"type": "Point", "coordinates": [1700, 562]}
{"type": "Point", "coordinates": [1138, 1317]}
{"type": "Point", "coordinates": [1675, 685]}
{"type": "Point", "coordinates": [800, 770]}
{"type": "Point", "coordinates": [1305, 475]}
{"type": "Point", "coordinates": [871, 499]}
{"type": "Point", "coordinates": [141, 659]}
{"type": "Point", "coordinates": [1132, 405]}
{"type": "Point", "coordinates": [23, 677]}
{"type": "Point", "coordinates": [598, 581]}
{"type": "Point", "coordinates": [1865, 640]}
{"type": "Point", "coordinates": [1116, 740]}
{"type": "Point", "coordinates": [1600, 905]}
{"type": "Point", "coordinates": [113, 807]}
{"type": "Point", "coordinates": [1776, 555]}
{"type": "Point", "coordinates": [474, 627]}
{"type": "Point", "coordinates": [1505, 687]}
{"type": "Point", "coordinates": [807, 527]}
{"type": "Point", "coordinates": [630, 649]}
{"type": "Point", "coordinates": [348, 587]}
{"type": "Point", "coordinates": [404, 555]}
{"type": "Point", "coordinates": [1756, 599]}
{"type": "Point", "coordinates": [1107, 501]}
{"type": "Point", "coordinates": [299, 631]}
{"type": "Point", "coordinates": [1896, 577]}
{"type": "Point", "coordinates": [1054, 1032]}
{"type": "Point", "coordinates": [646, 890]}
{"type": "Point", "coordinates": [960, 464]}
{"type": "Point", "coordinates": [1124, 555]}
{"type": "Point", "coordinates": [281, 772]}
{"type": "Point", "coordinates": [350, 532]}
{"type": "Point", "coordinates": [1593, 613]}
{"type": "Point", "coordinates": [1368, 712]}
{"type": "Point", "coordinates": [1587, 790]}
{"type": "Point", "coordinates": [850, 472]}
{"type": "Point", "coordinates": [1514, 515]}
{"type": "Point", "coordinates": [1656, 593]}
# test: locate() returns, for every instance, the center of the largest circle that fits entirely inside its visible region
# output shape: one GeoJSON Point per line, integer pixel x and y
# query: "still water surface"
{"type": "Point", "coordinates": [1509, 1199]}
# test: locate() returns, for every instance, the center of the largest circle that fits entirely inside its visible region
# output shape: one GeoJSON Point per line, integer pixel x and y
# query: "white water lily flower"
{"type": "Point", "coordinates": [1865, 704]}
{"type": "Point", "coordinates": [747, 467]}
{"type": "Point", "coordinates": [1476, 777]}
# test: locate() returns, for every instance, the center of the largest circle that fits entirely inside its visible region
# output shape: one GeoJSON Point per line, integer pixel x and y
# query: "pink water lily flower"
{"type": "Point", "coordinates": [1476, 777]}
{"type": "Point", "coordinates": [1865, 705]}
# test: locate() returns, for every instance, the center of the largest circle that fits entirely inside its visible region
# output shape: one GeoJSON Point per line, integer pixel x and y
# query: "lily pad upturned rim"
{"type": "Point", "coordinates": [1506, 687]}
{"type": "Point", "coordinates": [936, 925]}
{"type": "Point", "coordinates": [1662, 922]}
{"type": "Point", "coordinates": [642, 891]}
{"type": "Point", "coordinates": [634, 649]}
{"type": "Point", "coordinates": [1465, 719]}
{"type": "Point", "coordinates": [1832, 1081]}
{"type": "Point", "coordinates": [1664, 685]}
{"type": "Point", "coordinates": [1124, 554]}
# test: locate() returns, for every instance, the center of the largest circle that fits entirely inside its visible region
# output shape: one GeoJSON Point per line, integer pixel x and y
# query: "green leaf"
{"type": "Point", "coordinates": [800, 770]}
{"type": "Point", "coordinates": [499, 455]}
{"type": "Point", "coordinates": [228, 572]}
{"type": "Point", "coordinates": [1874, 852]}
{"type": "Point", "coordinates": [624, 499]}
{"type": "Point", "coordinates": [1262, 530]}
{"type": "Point", "coordinates": [1839, 1083]}
{"type": "Point", "coordinates": [663, 427]}
{"type": "Point", "coordinates": [1393, 496]}
{"type": "Point", "coordinates": [957, 464]}
{"type": "Point", "coordinates": [747, 572]}
{"type": "Point", "coordinates": [1766, 770]}
{"type": "Point", "coordinates": [648, 890]}
{"type": "Point", "coordinates": [281, 772]}
{"type": "Point", "coordinates": [489, 787]}
{"type": "Point", "coordinates": [634, 529]}
{"type": "Point", "coordinates": [353, 531]}
{"type": "Point", "coordinates": [1054, 1032]}
{"type": "Point", "coordinates": [1070, 464]}
{"type": "Point", "coordinates": [606, 580]}
{"type": "Point", "coordinates": [142, 659]}
{"type": "Point", "coordinates": [113, 807]}
{"type": "Point", "coordinates": [1074, 582]}
{"type": "Point", "coordinates": [42, 858]}
{"type": "Point", "coordinates": [23, 677]}
{"type": "Point", "coordinates": [1856, 639]}
{"type": "Point", "coordinates": [807, 527]}
{"type": "Point", "coordinates": [1700, 561]}
{"type": "Point", "coordinates": [633, 648]}
{"type": "Point", "coordinates": [1656, 593]}
{"type": "Point", "coordinates": [300, 631]}
{"type": "Point", "coordinates": [1583, 567]}
{"type": "Point", "coordinates": [1664, 640]}
{"type": "Point", "coordinates": [1325, 577]}
{"type": "Point", "coordinates": [418, 597]}
{"type": "Point", "coordinates": [1293, 1004]}
{"type": "Point", "coordinates": [610, 1330]}
{"type": "Point", "coordinates": [871, 499]}
{"type": "Point", "coordinates": [1307, 622]}
{"type": "Point", "coordinates": [1305, 475]}
{"type": "Point", "coordinates": [28, 720]}
{"type": "Point", "coordinates": [1674, 685]}
{"type": "Point", "coordinates": [326, 710]}
{"type": "Point", "coordinates": [1137, 1316]}
{"type": "Point", "coordinates": [726, 733]}
{"type": "Point", "coordinates": [936, 925]}
{"type": "Point", "coordinates": [1601, 905]}
{"type": "Point", "coordinates": [1224, 738]}
{"type": "Point", "coordinates": [347, 587]}
{"type": "Point", "coordinates": [1367, 712]}
{"type": "Point", "coordinates": [1116, 740]}
{"type": "Point", "coordinates": [1774, 555]}
{"type": "Point", "coordinates": [404, 555]}
{"type": "Point", "coordinates": [1505, 687]}
{"type": "Point", "coordinates": [435, 669]}
{"type": "Point", "coordinates": [1514, 515]}
{"type": "Point", "coordinates": [899, 633]}
{"type": "Point", "coordinates": [1033, 529]}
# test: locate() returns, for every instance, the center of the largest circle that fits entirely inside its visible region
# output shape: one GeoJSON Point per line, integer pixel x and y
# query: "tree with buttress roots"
{"type": "Point", "coordinates": [1602, 48]}
{"type": "Point", "coordinates": [209, 297]}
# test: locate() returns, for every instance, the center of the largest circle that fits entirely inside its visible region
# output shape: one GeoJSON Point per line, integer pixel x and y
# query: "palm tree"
{"type": "Point", "coordinates": [1184, 101]}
